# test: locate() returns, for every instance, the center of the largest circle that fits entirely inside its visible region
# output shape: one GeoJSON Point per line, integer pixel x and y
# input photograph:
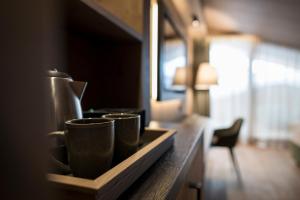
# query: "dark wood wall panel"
{"type": "Point", "coordinates": [112, 70]}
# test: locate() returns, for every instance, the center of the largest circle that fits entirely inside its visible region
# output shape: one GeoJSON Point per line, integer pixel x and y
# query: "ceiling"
{"type": "Point", "coordinates": [277, 21]}
{"type": "Point", "coordinates": [187, 10]}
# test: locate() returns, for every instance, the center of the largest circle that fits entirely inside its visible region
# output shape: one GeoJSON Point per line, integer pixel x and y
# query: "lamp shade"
{"type": "Point", "coordinates": [206, 76]}
{"type": "Point", "coordinates": [180, 76]}
{"type": "Point", "coordinates": [179, 79]}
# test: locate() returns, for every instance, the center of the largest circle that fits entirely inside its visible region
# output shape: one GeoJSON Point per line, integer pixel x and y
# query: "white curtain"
{"type": "Point", "coordinates": [259, 83]}
{"type": "Point", "coordinates": [276, 91]}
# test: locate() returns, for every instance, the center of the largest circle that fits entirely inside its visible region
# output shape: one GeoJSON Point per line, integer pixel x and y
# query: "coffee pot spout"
{"type": "Point", "coordinates": [78, 88]}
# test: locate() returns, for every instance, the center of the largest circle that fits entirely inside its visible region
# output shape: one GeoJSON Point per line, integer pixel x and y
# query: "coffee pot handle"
{"type": "Point", "coordinates": [55, 164]}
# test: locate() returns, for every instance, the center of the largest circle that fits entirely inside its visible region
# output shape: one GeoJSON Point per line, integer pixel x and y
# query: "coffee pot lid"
{"type": "Point", "coordinates": [55, 73]}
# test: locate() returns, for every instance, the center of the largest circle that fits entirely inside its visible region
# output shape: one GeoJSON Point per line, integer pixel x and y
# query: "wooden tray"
{"type": "Point", "coordinates": [115, 181]}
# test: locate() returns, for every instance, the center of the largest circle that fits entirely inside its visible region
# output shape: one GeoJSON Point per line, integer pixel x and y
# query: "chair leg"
{"type": "Point", "coordinates": [235, 164]}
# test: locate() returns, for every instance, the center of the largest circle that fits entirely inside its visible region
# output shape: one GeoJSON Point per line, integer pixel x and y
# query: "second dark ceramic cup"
{"type": "Point", "coordinates": [127, 129]}
{"type": "Point", "coordinates": [90, 144]}
{"type": "Point", "coordinates": [104, 111]}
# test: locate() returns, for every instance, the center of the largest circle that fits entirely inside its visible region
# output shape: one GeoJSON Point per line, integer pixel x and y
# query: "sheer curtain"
{"type": "Point", "coordinates": [260, 83]}
{"type": "Point", "coordinates": [276, 91]}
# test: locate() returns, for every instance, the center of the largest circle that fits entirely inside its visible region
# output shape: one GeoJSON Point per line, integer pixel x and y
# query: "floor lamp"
{"type": "Point", "coordinates": [206, 77]}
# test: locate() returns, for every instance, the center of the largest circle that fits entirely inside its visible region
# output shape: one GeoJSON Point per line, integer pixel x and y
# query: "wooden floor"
{"type": "Point", "coordinates": [267, 174]}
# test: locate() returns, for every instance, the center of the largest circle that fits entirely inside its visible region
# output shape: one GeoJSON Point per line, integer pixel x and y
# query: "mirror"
{"type": "Point", "coordinates": [172, 59]}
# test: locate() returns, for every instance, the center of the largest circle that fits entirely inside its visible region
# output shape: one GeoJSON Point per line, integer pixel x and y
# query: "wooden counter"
{"type": "Point", "coordinates": [171, 176]}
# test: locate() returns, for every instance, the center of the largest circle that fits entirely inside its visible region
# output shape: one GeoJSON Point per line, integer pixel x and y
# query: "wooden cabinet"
{"type": "Point", "coordinates": [106, 44]}
{"type": "Point", "coordinates": [171, 175]}
{"type": "Point", "coordinates": [192, 186]}
{"type": "Point", "coordinates": [129, 11]}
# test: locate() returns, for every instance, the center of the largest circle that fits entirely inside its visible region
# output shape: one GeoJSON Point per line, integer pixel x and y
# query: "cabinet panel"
{"type": "Point", "coordinates": [112, 70]}
{"type": "Point", "coordinates": [100, 47]}
{"type": "Point", "coordinates": [129, 11]}
{"type": "Point", "coordinates": [194, 178]}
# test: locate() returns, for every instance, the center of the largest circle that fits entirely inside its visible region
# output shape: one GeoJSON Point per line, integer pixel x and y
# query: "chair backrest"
{"type": "Point", "coordinates": [236, 126]}
{"type": "Point", "coordinates": [235, 129]}
{"type": "Point", "coordinates": [228, 137]}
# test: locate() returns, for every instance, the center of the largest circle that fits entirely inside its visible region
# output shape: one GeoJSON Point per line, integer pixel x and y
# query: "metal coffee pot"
{"type": "Point", "coordinates": [65, 96]}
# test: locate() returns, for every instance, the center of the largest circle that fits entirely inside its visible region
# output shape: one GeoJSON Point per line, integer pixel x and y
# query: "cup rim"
{"type": "Point", "coordinates": [121, 116]}
{"type": "Point", "coordinates": [101, 122]}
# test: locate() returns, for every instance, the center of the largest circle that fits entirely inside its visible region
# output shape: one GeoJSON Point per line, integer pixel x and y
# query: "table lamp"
{"type": "Point", "coordinates": [206, 77]}
{"type": "Point", "coordinates": [179, 79]}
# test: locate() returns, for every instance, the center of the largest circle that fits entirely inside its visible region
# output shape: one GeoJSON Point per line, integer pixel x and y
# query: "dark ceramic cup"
{"type": "Point", "coordinates": [127, 128]}
{"type": "Point", "coordinates": [90, 145]}
{"type": "Point", "coordinates": [104, 111]}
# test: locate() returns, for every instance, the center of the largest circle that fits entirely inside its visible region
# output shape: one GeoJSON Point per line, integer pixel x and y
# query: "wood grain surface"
{"type": "Point", "coordinates": [164, 179]}
{"type": "Point", "coordinates": [89, 16]}
{"type": "Point", "coordinates": [129, 11]}
{"type": "Point", "coordinates": [112, 183]}
{"type": "Point", "coordinates": [122, 19]}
